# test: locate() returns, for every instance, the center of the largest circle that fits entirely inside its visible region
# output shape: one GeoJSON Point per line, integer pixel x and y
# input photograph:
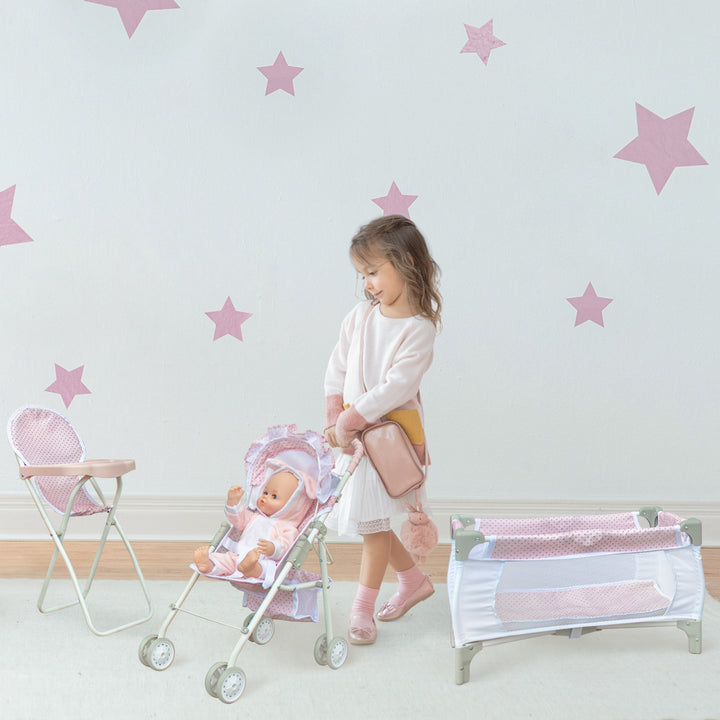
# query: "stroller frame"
{"type": "Point", "coordinates": [225, 680]}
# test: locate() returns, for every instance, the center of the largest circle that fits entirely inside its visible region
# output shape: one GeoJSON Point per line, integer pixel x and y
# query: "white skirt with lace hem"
{"type": "Point", "coordinates": [365, 507]}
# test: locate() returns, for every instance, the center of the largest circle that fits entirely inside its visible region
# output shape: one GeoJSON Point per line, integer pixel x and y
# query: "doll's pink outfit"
{"type": "Point", "coordinates": [280, 528]}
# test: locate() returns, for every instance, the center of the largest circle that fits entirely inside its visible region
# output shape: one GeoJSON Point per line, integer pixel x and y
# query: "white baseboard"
{"type": "Point", "coordinates": [196, 518]}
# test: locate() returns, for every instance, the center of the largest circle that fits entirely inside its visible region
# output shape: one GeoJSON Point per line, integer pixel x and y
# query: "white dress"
{"type": "Point", "coordinates": [397, 353]}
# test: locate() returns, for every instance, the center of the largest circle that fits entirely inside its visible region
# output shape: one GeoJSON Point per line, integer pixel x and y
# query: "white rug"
{"type": "Point", "coordinates": [53, 668]}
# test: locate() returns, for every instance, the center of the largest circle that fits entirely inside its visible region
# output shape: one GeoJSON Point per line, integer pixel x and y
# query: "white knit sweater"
{"type": "Point", "coordinates": [396, 354]}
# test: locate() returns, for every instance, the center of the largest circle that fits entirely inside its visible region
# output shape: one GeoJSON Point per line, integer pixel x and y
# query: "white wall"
{"type": "Point", "coordinates": [156, 179]}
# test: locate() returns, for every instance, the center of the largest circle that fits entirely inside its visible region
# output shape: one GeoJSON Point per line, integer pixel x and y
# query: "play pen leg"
{"type": "Point", "coordinates": [693, 629]}
{"type": "Point", "coordinates": [463, 658]}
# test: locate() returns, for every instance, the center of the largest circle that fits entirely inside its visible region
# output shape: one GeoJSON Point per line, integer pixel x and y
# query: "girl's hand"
{"type": "Point", "coordinates": [234, 495]}
{"type": "Point", "coordinates": [332, 440]}
{"type": "Point", "coordinates": [330, 437]}
{"type": "Point", "coordinates": [265, 547]}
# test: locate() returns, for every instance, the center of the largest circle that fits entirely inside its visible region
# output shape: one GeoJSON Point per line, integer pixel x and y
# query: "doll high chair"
{"type": "Point", "coordinates": [51, 459]}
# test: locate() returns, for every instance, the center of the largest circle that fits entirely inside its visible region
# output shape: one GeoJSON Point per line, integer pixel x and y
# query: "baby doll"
{"type": "Point", "coordinates": [268, 531]}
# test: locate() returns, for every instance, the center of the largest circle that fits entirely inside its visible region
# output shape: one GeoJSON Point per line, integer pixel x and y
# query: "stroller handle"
{"type": "Point", "coordinates": [357, 455]}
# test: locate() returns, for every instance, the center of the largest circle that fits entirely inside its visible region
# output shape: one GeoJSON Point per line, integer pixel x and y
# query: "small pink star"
{"type": "Point", "coordinates": [10, 231]}
{"type": "Point", "coordinates": [228, 321]}
{"type": "Point", "coordinates": [662, 145]}
{"type": "Point", "coordinates": [280, 75]}
{"type": "Point", "coordinates": [481, 41]}
{"type": "Point", "coordinates": [395, 203]}
{"type": "Point", "coordinates": [68, 384]}
{"type": "Point", "coordinates": [589, 306]}
{"type": "Point", "coordinates": [133, 11]}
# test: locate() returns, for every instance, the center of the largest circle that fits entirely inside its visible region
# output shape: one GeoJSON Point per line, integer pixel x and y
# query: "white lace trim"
{"type": "Point", "coordinates": [374, 526]}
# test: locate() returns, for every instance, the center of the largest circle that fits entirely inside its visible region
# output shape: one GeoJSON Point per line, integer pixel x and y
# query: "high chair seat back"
{"type": "Point", "coordinates": [40, 436]}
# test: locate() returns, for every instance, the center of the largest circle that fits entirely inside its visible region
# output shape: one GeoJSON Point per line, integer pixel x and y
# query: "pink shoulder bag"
{"type": "Point", "coordinates": [388, 448]}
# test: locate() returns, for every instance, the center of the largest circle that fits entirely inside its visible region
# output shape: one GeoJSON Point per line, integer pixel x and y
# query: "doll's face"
{"type": "Point", "coordinates": [277, 492]}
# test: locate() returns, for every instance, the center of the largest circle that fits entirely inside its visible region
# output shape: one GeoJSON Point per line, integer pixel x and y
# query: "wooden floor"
{"type": "Point", "coordinates": [170, 560]}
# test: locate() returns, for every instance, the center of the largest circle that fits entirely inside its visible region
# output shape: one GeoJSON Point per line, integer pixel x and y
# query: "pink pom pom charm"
{"type": "Point", "coordinates": [418, 534]}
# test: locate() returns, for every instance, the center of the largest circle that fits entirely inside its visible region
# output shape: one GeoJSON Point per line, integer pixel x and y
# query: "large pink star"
{"type": "Point", "coordinates": [280, 75]}
{"type": "Point", "coordinates": [395, 203]}
{"type": "Point", "coordinates": [589, 306]}
{"type": "Point", "coordinates": [481, 41]}
{"type": "Point", "coordinates": [133, 11]}
{"type": "Point", "coordinates": [10, 231]}
{"type": "Point", "coordinates": [228, 321]}
{"type": "Point", "coordinates": [68, 384]}
{"type": "Point", "coordinates": [662, 145]}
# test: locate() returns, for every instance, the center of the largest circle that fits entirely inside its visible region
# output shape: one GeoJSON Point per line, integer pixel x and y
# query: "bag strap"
{"type": "Point", "coordinates": [362, 347]}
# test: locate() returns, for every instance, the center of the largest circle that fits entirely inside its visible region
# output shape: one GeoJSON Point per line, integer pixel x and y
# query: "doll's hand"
{"type": "Point", "coordinates": [234, 495]}
{"type": "Point", "coordinates": [265, 547]}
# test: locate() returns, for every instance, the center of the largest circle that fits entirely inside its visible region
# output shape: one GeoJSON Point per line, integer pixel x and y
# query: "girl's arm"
{"type": "Point", "coordinates": [335, 372]}
{"type": "Point", "coordinates": [400, 385]}
{"type": "Point", "coordinates": [333, 408]}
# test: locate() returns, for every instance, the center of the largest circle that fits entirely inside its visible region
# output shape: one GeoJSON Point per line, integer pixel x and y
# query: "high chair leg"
{"type": "Point", "coordinates": [58, 538]}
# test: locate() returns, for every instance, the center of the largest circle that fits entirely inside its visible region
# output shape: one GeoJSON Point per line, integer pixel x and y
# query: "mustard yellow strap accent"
{"type": "Point", "coordinates": [409, 421]}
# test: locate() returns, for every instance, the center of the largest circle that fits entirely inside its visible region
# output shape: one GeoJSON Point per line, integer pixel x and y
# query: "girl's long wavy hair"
{"type": "Point", "coordinates": [398, 239]}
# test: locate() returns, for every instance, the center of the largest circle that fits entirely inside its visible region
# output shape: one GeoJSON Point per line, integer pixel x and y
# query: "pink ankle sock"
{"type": "Point", "coordinates": [409, 581]}
{"type": "Point", "coordinates": [364, 603]}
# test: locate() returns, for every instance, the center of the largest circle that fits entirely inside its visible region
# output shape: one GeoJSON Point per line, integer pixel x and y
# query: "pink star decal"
{"type": "Point", "coordinates": [228, 321]}
{"type": "Point", "coordinates": [589, 306]}
{"type": "Point", "coordinates": [133, 11]}
{"type": "Point", "coordinates": [481, 41]}
{"type": "Point", "coordinates": [395, 203]}
{"type": "Point", "coordinates": [10, 231]}
{"type": "Point", "coordinates": [280, 75]}
{"type": "Point", "coordinates": [662, 145]}
{"type": "Point", "coordinates": [68, 384]}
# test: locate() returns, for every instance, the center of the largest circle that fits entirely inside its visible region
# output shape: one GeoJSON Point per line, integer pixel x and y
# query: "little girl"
{"type": "Point", "coordinates": [399, 322]}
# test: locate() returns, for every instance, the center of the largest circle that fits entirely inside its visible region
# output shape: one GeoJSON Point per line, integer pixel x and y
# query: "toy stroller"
{"type": "Point", "coordinates": [289, 592]}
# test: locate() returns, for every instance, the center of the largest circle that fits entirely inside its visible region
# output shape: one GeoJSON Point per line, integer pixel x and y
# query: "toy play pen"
{"type": "Point", "coordinates": [514, 578]}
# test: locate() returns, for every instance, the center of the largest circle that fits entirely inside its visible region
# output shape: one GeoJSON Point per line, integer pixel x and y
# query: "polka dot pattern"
{"type": "Point", "coordinates": [40, 436]}
{"type": "Point", "coordinates": [640, 598]}
{"type": "Point", "coordinates": [533, 538]}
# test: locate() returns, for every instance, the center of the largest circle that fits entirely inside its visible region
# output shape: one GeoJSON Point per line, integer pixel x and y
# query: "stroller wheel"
{"type": "Point", "coordinates": [143, 649]}
{"type": "Point", "coordinates": [230, 685]}
{"type": "Point", "coordinates": [337, 653]}
{"type": "Point", "coordinates": [212, 677]}
{"type": "Point", "coordinates": [321, 650]}
{"type": "Point", "coordinates": [160, 654]}
{"type": "Point", "coordinates": [264, 631]}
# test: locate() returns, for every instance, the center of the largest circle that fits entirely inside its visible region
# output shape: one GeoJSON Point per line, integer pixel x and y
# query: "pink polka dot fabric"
{"type": "Point", "coordinates": [295, 605]}
{"type": "Point", "coordinates": [640, 598]}
{"type": "Point", "coordinates": [40, 436]}
{"type": "Point", "coordinates": [535, 538]}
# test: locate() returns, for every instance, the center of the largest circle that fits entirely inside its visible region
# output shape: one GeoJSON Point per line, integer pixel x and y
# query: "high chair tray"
{"type": "Point", "coordinates": [89, 468]}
